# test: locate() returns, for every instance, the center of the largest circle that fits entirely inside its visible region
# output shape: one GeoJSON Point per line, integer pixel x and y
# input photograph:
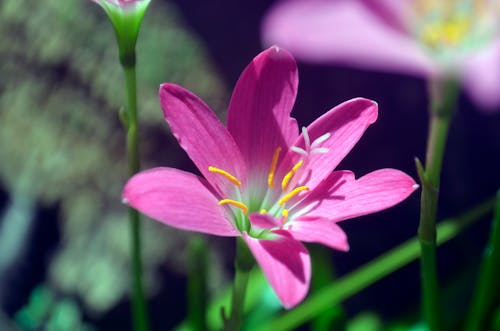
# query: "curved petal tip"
{"type": "Point", "coordinates": [286, 264]}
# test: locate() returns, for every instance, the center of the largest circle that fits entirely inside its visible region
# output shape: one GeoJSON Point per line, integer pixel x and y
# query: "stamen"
{"type": "Point", "coordinates": [263, 211]}
{"type": "Point", "coordinates": [235, 203]}
{"type": "Point", "coordinates": [284, 213]}
{"type": "Point", "coordinates": [289, 175]}
{"type": "Point", "coordinates": [292, 193]}
{"type": "Point", "coordinates": [272, 171]}
{"type": "Point", "coordinates": [226, 174]}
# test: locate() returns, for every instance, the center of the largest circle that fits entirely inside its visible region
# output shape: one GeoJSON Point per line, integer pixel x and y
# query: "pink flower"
{"type": "Point", "coordinates": [452, 39]}
{"type": "Point", "coordinates": [263, 180]}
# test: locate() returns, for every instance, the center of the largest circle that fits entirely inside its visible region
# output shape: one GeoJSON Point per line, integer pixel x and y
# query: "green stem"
{"type": "Point", "coordinates": [243, 264]}
{"type": "Point", "coordinates": [197, 284]}
{"type": "Point", "coordinates": [443, 97]}
{"type": "Point", "coordinates": [371, 272]}
{"type": "Point", "coordinates": [487, 286]}
{"type": "Point", "coordinates": [132, 121]}
{"type": "Point", "coordinates": [324, 274]}
{"type": "Point", "coordinates": [139, 309]}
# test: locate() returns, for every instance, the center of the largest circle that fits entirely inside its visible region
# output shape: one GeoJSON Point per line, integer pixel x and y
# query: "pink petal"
{"type": "Point", "coordinates": [259, 112]}
{"type": "Point", "coordinates": [345, 32]}
{"type": "Point", "coordinates": [263, 221]}
{"type": "Point", "coordinates": [179, 199]}
{"type": "Point", "coordinates": [318, 230]}
{"type": "Point", "coordinates": [481, 77]}
{"type": "Point", "coordinates": [286, 264]}
{"type": "Point", "coordinates": [346, 123]}
{"type": "Point", "coordinates": [202, 136]}
{"type": "Point", "coordinates": [341, 197]}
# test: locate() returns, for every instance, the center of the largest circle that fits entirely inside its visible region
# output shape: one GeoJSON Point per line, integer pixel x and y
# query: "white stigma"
{"type": "Point", "coordinates": [314, 147]}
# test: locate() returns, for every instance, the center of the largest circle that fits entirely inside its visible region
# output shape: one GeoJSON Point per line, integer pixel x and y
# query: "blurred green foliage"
{"type": "Point", "coordinates": [45, 312]}
{"type": "Point", "coordinates": [61, 140]}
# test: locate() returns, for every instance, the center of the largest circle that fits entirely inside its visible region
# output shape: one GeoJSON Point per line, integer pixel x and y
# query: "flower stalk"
{"type": "Point", "coordinates": [324, 274]}
{"type": "Point", "coordinates": [126, 17]}
{"type": "Point", "coordinates": [197, 284]}
{"type": "Point", "coordinates": [138, 302]}
{"type": "Point", "coordinates": [443, 96]}
{"type": "Point", "coordinates": [243, 264]}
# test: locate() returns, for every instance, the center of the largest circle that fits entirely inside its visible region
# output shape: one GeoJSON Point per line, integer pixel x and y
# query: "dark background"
{"type": "Point", "coordinates": [228, 31]}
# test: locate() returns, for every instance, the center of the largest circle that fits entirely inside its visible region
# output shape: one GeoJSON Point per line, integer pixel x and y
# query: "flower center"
{"type": "Point", "coordinates": [274, 203]}
{"type": "Point", "coordinates": [454, 25]}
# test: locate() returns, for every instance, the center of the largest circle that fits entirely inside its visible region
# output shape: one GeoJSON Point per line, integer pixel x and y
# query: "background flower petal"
{"type": "Point", "coordinates": [481, 77]}
{"type": "Point", "coordinates": [202, 136]}
{"type": "Point", "coordinates": [179, 199]}
{"type": "Point", "coordinates": [347, 32]}
{"type": "Point", "coordinates": [395, 13]}
{"type": "Point", "coordinates": [259, 112]}
{"type": "Point", "coordinates": [286, 264]}
{"type": "Point", "coordinates": [318, 230]}
{"type": "Point", "coordinates": [341, 196]}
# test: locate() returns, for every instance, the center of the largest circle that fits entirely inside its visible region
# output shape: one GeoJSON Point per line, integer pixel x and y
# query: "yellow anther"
{"type": "Point", "coordinates": [455, 31]}
{"type": "Point", "coordinates": [447, 32]}
{"type": "Point", "coordinates": [263, 211]}
{"type": "Point", "coordinates": [235, 203]}
{"type": "Point", "coordinates": [292, 193]}
{"type": "Point", "coordinates": [284, 213]}
{"type": "Point", "coordinates": [226, 174]}
{"type": "Point", "coordinates": [289, 175]}
{"type": "Point", "coordinates": [272, 171]}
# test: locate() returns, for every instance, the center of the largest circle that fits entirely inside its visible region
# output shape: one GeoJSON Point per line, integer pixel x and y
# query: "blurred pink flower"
{"type": "Point", "coordinates": [126, 17]}
{"type": "Point", "coordinates": [263, 181]}
{"type": "Point", "coordinates": [123, 4]}
{"type": "Point", "coordinates": [456, 39]}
